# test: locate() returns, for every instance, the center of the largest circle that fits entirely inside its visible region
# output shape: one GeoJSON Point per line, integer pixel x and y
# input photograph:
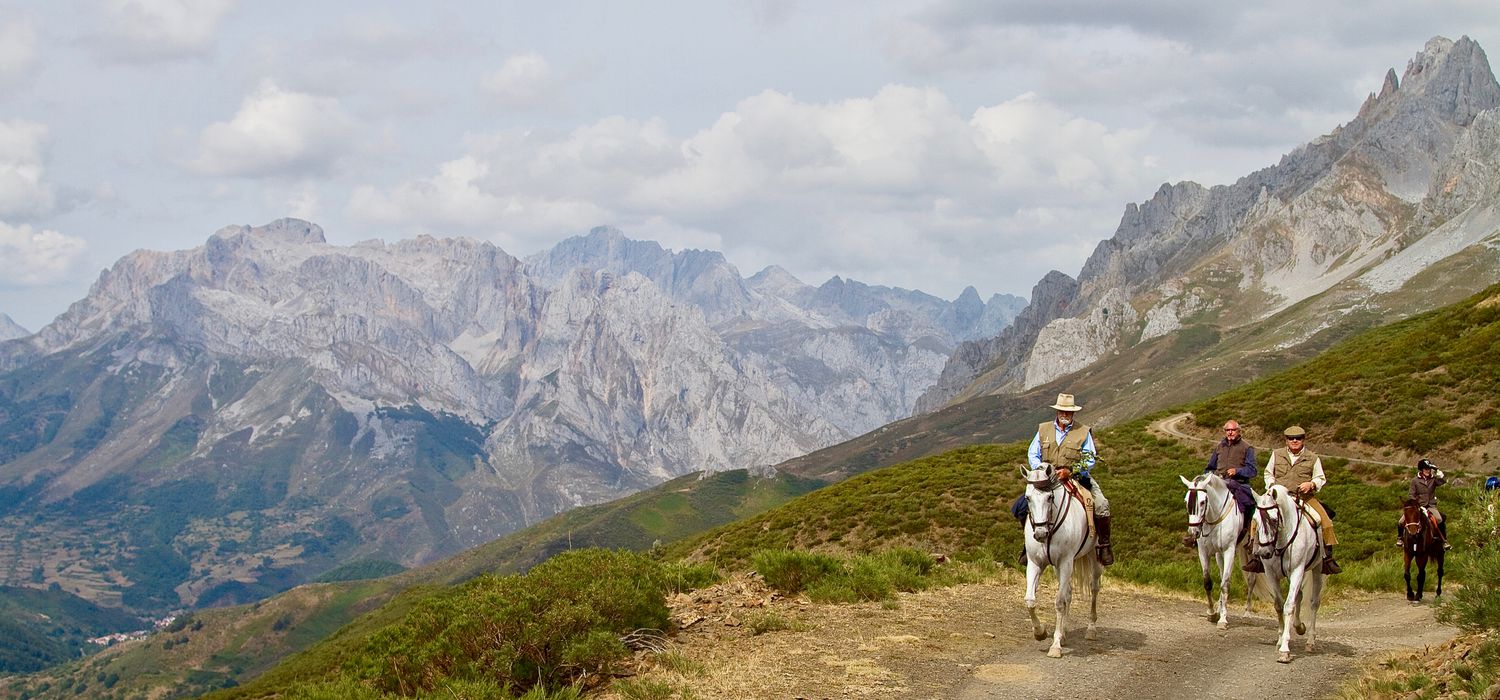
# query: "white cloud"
{"type": "Point", "coordinates": [30, 258]}
{"type": "Point", "coordinates": [23, 192]}
{"type": "Point", "coordinates": [850, 184]}
{"type": "Point", "coordinates": [524, 81]}
{"type": "Point", "coordinates": [17, 52]}
{"type": "Point", "coordinates": [276, 133]}
{"type": "Point", "coordinates": [152, 30]}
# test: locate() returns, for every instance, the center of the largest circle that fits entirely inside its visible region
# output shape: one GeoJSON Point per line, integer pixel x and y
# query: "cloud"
{"type": "Point", "coordinates": [23, 192]}
{"type": "Point", "coordinates": [31, 258]}
{"type": "Point", "coordinates": [158, 30]}
{"type": "Point", "coordinates": [524, 81]}
{"type": "Point", "coordinates": [850, 184]}
{"type": "Point", "coordinates": [276, 133]}
{"type": "Point", "coordinates": [17, 52]}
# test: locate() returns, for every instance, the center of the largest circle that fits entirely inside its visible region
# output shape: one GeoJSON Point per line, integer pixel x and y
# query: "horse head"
{"type": "Point", "coordinates": [1197, 502]}
{"type": "Point", "coordinates": [1411, 516]}
{"type": "Point", "coordinates": [1040, 483]}
{"type": "Point", "coordinates": [1269, 515]}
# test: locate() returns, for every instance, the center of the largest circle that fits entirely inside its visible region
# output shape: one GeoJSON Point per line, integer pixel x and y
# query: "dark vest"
{"type": "Point", "coordinates": [1291, 476]}
{"type": "Point", "coordinates": [1070, 451]}
{"type": "Point", "coordinates": [1230, 456]}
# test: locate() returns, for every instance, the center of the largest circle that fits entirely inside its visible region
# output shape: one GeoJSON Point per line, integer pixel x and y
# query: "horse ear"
{"type": "Point", "coordinates": [1024, 474]}
{"type": "Point", "coordinates": [1185, 482]}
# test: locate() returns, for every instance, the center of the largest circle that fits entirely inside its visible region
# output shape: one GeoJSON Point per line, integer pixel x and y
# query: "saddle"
{"type": "Point", "coordinates": [1085, 499]}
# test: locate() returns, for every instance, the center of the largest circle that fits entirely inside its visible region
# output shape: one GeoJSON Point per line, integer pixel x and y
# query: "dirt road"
{"type": "Point", "coordinates": [974, 641]}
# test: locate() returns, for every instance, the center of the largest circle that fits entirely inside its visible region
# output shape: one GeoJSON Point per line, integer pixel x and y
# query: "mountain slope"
{"type": "Point", "coordinates": [263, 408]}
{"type": "Point", "coordinates": [1348, 223]}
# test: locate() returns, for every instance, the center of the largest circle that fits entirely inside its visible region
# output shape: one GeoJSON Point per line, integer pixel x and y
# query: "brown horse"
{"type": "Point", "coordinates": [1420, 542]}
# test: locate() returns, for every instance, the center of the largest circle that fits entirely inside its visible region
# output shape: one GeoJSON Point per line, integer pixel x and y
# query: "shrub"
{"type": "Point", "coordinates": [540, 631]}
{"type": "Point", "coordinates": [1476, 606]}
{"type": "Point", "coordinates": [792, 572]}
{"type": "Point", "coordinates": [683, 576]}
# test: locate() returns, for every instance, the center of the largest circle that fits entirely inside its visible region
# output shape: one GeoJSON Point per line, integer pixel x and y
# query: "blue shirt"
{"type": "Point", "coordinates": [1034, 455]}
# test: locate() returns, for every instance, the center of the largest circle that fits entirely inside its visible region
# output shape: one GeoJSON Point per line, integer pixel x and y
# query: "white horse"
{"type": "Point", "coordinates": [1214, 520]}
{"type": "Point", "coordinates": [1291, 544]}
{"type": "Point", "coordinates": [1057, 534]}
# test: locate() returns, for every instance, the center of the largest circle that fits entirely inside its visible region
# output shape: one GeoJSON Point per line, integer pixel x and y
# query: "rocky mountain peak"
{"type": "Point", "coordinates": [10, 330]}
{"type": "Point", "coordinates": [287, 230]}
{"type": "Point", "coordinates": [1454, 78]}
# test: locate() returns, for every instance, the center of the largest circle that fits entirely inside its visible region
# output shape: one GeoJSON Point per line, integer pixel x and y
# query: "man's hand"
{"type": "Point", "coordinates": [1306, 487]}
{"type": "Point", "coordinates": [1234, 470]}
{"type": "Point", "coordinates": [1063, 473]}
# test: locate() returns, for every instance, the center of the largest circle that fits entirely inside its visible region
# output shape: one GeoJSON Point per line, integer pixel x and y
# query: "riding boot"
{"type": "Point", "coordinates": [1022, 560]}
{"type": "Point", "coordinates": [1106, 554]}
{"type": "Point", "coordinates": [1329, 565]}
{"type": "Point", "coordinates": [1253, 565]}
{"type": "Point", "coordinates": [1443, 534]}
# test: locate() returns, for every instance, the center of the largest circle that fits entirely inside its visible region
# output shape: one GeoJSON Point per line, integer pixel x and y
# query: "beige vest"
{"type": "Point", "coordinates": [1070, 451]}
{"type": "Point", "coordinates": [1288, 474]}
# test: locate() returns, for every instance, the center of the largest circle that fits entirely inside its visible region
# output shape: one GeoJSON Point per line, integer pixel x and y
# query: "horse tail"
{"type": "Point", "coordinates": [1083, 575]}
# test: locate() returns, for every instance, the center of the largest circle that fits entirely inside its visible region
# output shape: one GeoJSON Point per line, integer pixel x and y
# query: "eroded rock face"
{"type": "Point", "coordinates": [437, 392]}
{"type": "Point", "coordinates": [1379, 197]}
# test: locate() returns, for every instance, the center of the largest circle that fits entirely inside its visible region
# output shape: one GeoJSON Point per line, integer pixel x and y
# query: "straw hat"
{"type": "Point", "coordinates": [1065, 403]}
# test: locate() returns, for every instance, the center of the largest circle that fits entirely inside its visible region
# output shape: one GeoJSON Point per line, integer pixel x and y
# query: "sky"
{"type": "Point", "coordinates": [925, 145]}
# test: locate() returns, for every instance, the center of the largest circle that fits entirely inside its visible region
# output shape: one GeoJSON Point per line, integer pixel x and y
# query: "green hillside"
{"type": "Point", "coordinates": [223, 647]}
{"type": "Point", "coordinates": [39, 628]}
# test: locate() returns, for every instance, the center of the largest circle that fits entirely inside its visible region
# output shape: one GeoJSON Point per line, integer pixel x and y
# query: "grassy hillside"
{"type": "Point", "coordinates": [39, 628]}
{"type": "Point", "coordinates": [1429, 385]}
{"type": "Point", "coordinates": [224, 647]}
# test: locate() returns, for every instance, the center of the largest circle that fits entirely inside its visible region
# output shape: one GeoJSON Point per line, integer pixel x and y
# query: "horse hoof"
{"type": "Point", "coordinates": [1301, 628]}
{"type": "Point", "coordinates": [1223, 624]}
{"type": "Point", "coordinates": [1309, 648]}
{"type": "Point", "coordinates": [1284, 657]}
{"type": "Point", "coordinates": [1040, 635]}
{"type": "Point", "coordinates": [1091, 634]}
{"type": "Point", "coordinates": [1054, 653]}
{"type": "Point", "coordinates": [1213, 617]}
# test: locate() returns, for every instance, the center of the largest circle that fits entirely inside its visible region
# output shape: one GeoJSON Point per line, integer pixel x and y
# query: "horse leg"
{"type": "Point", "coordinates": [1288, 615]}
{"type": "Point", "coordinates": [1410, 594]}
{"type": "Point", "coordinates": [1421, 575]}
{"type": "Point", "coordinates": [1204, 563]}
{"type": "Point", "coordinates": [1033, 577]}
{"type": "Point", "coordinates": [1439, 592]}
{"type": "Point", "coordinates": [1064, 599]}
{"type": "Point", "coordinates": [1226, 574]}
{"type": "Point", "coordinates": [1251, 579]}
{"type": "Point", "coordinates": [1313, 596]}
{"type": "Point", "coordinates": [1297, 609]}
{"type": "Point", "coordinates": [1095, 572]}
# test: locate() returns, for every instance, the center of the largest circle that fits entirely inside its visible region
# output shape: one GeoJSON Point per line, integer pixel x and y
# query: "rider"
{"type": "Point", "coordinates": [1302, 472]}
{"type": "Point", "coordinates": [1424, 492]}
{"type": "Point", "coordinates": [1066, 444]}
{"type": "Point", "coordinates": [1233, 460]}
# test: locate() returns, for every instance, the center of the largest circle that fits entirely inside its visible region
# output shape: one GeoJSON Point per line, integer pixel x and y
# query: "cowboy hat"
{"type": "Point", "coordinates": [1065, 403]}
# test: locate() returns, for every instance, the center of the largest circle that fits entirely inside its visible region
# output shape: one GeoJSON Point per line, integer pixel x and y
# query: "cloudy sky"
{"type": "Point", "coordinates": [927, 145]}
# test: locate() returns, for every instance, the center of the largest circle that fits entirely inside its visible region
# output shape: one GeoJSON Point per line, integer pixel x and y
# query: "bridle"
{"type": "Point", "coordinates": [1197, 506]}
{"type": "Point", "coordinates": [1272, 521]}
{"type": "Point", "coordinates": [1048, 523]}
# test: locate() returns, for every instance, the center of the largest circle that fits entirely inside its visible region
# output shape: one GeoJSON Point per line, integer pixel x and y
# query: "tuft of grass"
{"type": "Point", "coordinates": [680, 663]}
{"type": "Point", "coordinates": [643, 689]}
{"type": "Point", "coordinates": [772, 621]}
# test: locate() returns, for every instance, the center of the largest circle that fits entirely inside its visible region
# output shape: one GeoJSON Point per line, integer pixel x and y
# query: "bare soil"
{"type": "Point", "coordinates": [974, 641]}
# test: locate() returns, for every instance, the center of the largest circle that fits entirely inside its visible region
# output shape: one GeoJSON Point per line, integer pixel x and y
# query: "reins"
{"type": "Point", "coordinates": [1051, 523]}
{"type": "Point", "coordinates": [1278, 521]}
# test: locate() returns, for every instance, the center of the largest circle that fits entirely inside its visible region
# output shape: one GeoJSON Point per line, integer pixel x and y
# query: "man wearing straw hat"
{"type": "Point", "coordinates": [1065, 444]}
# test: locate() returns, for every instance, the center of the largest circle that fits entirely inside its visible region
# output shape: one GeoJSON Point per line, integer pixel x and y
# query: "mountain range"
{"type": "Point", "coordinates": [243, 415]}
{"type": "Point", "coordinates": [210, 425]}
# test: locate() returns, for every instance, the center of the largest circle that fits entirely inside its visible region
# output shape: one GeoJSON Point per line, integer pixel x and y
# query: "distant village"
{"type": "Point", "coordinates": [117, 637]}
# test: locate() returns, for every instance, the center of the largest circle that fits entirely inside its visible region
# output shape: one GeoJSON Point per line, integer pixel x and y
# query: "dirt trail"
{"type": "Point", "coordinates": [974, 641]}
{"type": "Point", "coordinates": [1171, 426]}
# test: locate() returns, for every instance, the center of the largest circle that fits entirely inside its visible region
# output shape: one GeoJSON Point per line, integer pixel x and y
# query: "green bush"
{"type": "Point", "coordinates": [542, 630]}
{"type": "Point", "coordinates": [792, 572]}
{"type": "Point", "coordinates": [681, 576]}
{"type": "Point", "coordinates": [1475, 524]}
